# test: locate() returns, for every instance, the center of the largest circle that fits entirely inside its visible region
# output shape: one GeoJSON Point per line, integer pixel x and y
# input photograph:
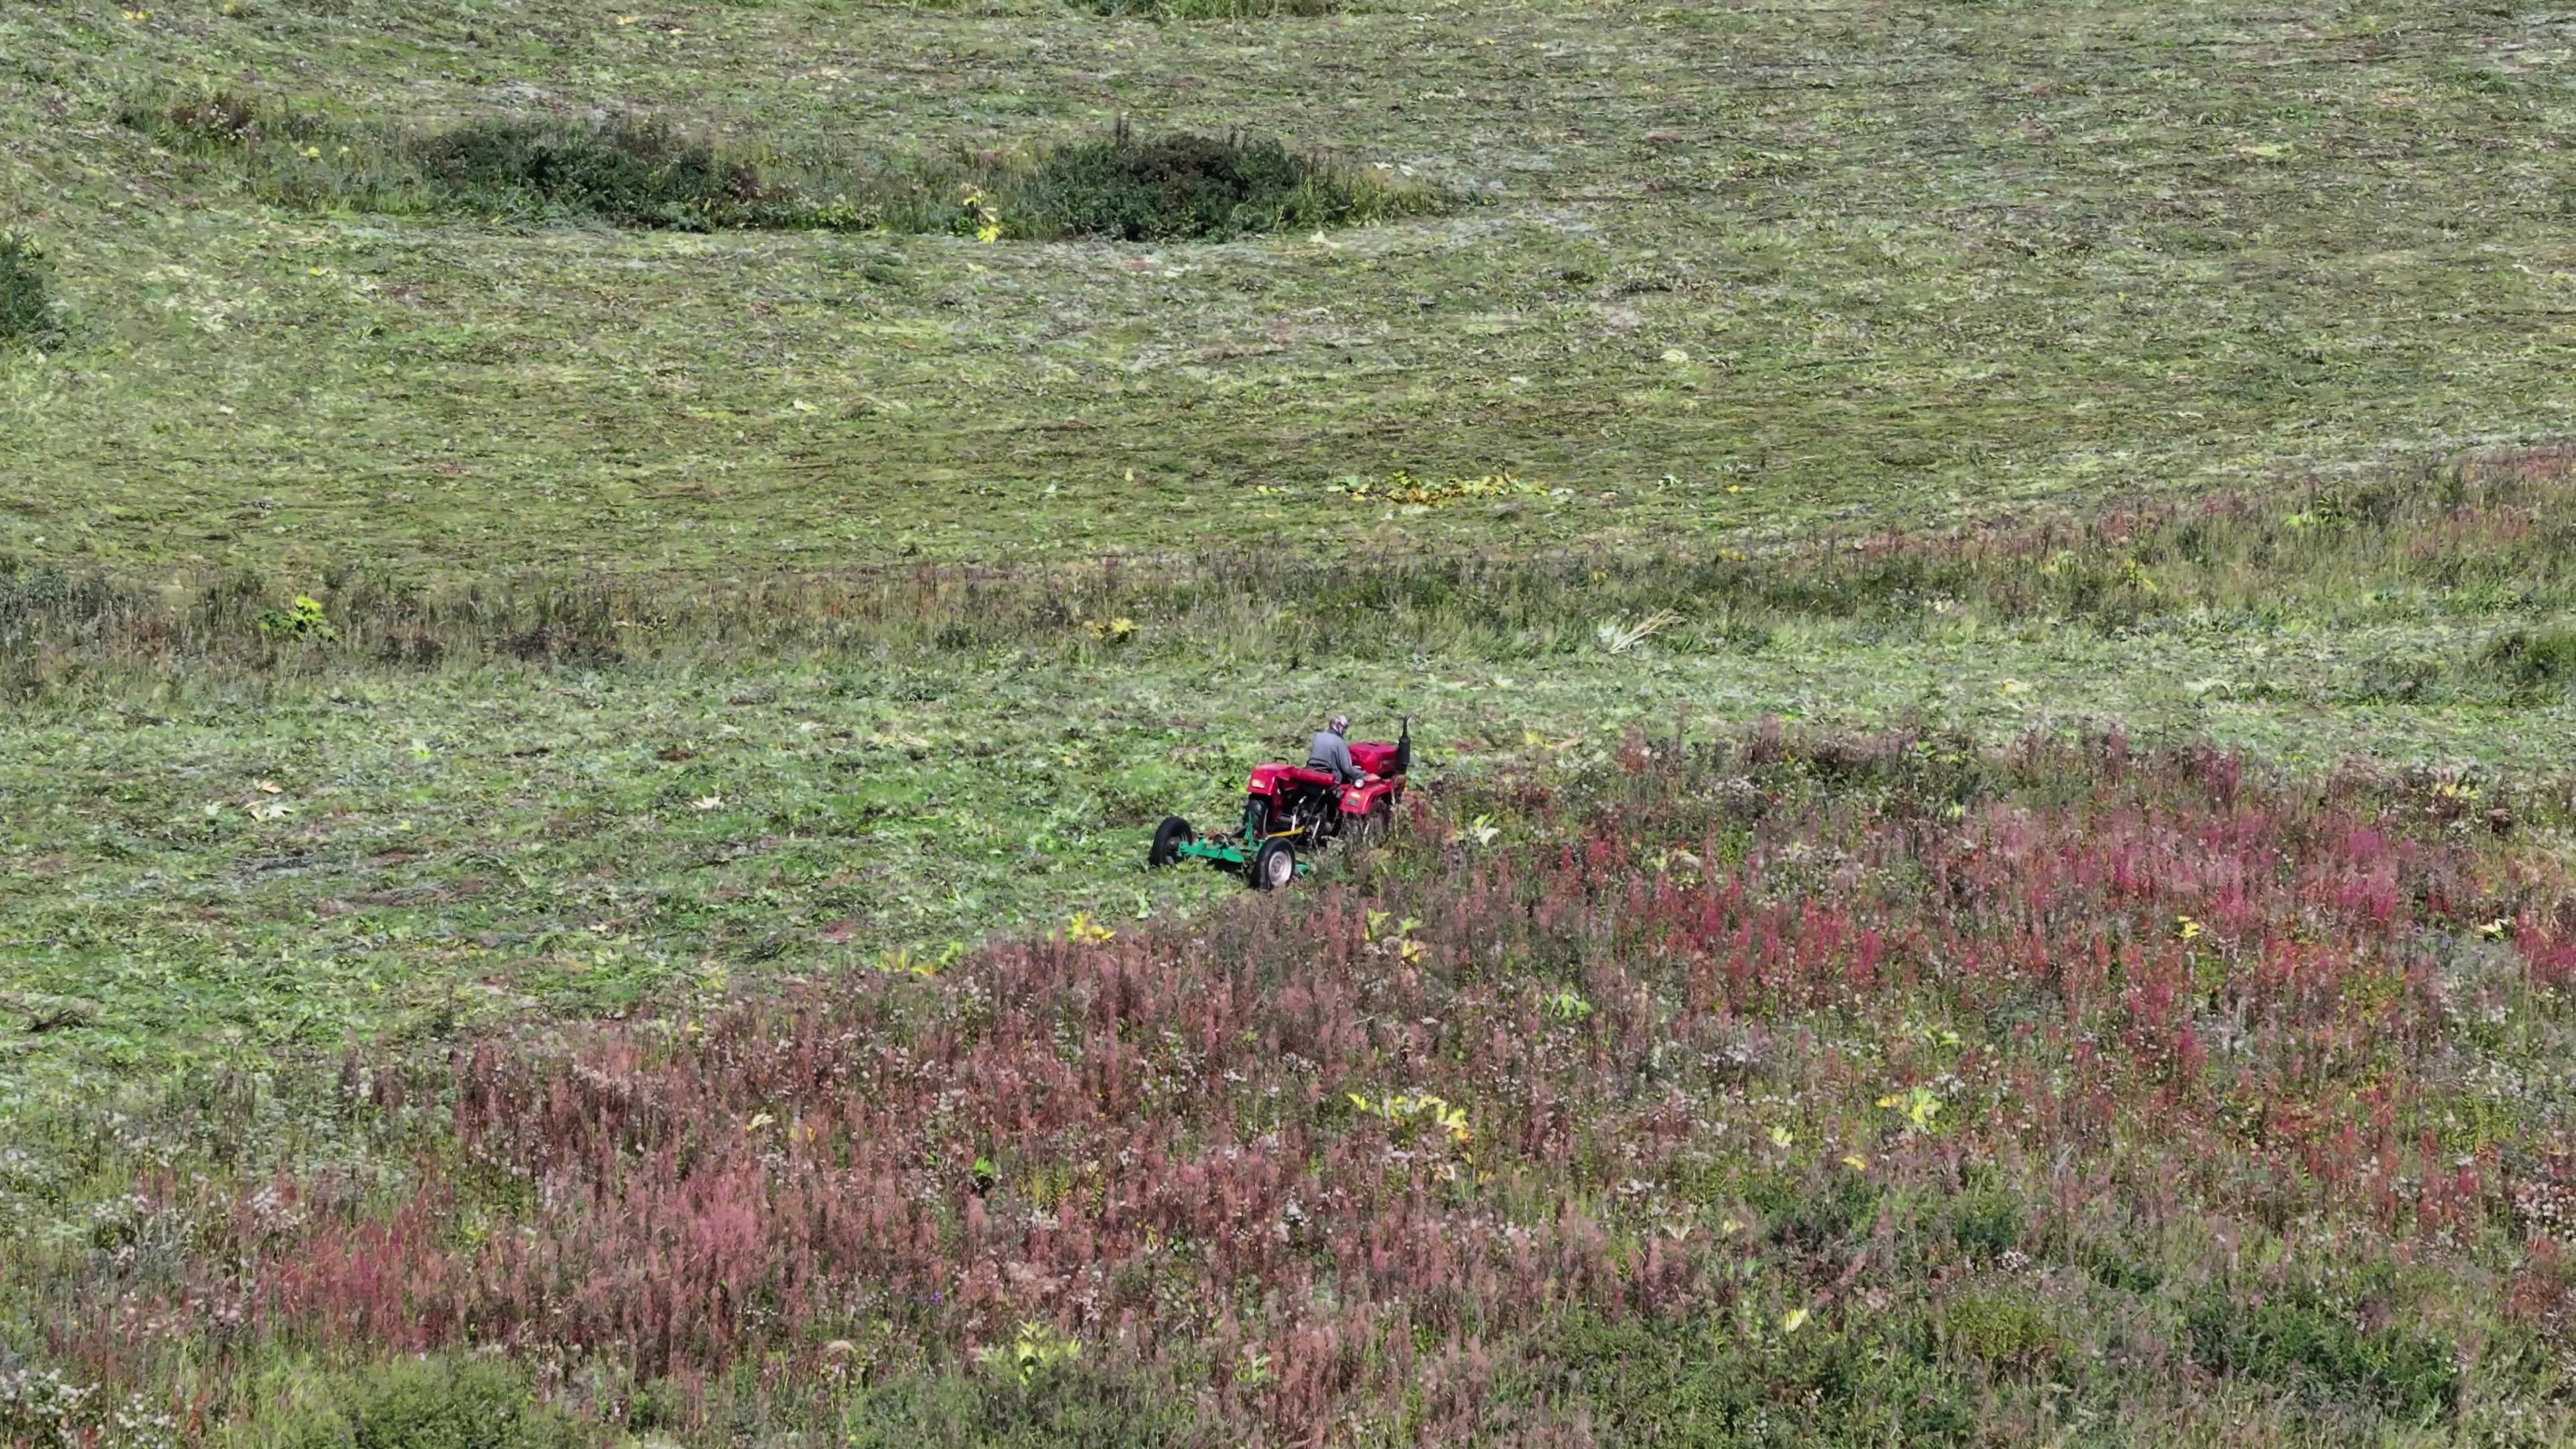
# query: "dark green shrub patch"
{"type": "Point", "coordinates": [2005, 1332]}
{"type": "Point", "coordinates": [649, 173]}
{"type": "Point", "coordinates": [436, 1403]}
{"type": "Point", "coordinates": [1814, 1217]}
{"type": "Point", "coordinates": [1187, 187]}
{"type": "Point", "coordinates": [1709, 1382]}
{"type": "Point", "coordinates": [1984, 1223]}
{"type": "Point", "coordinates": [1075, 1407]}
{"type": "Point", "coordinates": [630, 173]}
{"type": "Point", "coordinates": [2299, 1343]}
{"type": "Point", "coordinates": [26, 291]}
{"type": "Point", "coordinates": [2529, 664]}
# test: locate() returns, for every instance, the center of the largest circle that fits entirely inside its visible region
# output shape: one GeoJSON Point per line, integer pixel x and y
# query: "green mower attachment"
{"type": "Point", "coordinates": [1266, 862]}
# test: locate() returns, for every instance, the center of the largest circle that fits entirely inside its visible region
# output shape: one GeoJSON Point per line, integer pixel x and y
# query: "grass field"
{"type": "Point", "coordinates": [230, 844]}
{"type": "Point", "coordinates": [1741, 269]}
{"type": "Point", "coordinates": [743, 665]}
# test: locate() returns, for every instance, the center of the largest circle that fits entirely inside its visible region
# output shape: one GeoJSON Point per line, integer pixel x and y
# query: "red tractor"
{"type": "Point", "coordinates": [1291, 808]}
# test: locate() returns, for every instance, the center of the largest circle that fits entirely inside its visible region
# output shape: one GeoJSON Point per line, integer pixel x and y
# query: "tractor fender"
{"type": "Point", "coordinates": [1361, 799]}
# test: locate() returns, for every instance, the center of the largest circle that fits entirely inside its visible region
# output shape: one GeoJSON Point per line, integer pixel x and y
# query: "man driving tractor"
{"type": "Point", "coordinates": [1342, 792]}
{"type": "Point", "coordinates": [1332, 751]}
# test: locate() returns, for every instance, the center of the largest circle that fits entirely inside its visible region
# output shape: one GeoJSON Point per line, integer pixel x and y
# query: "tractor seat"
{"type": "Point", "coordinates": [1311, 774]}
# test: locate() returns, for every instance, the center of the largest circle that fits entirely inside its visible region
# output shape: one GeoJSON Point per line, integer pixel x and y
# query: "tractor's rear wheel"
{"type": "Point", "coordinates": [1169, 837]}
{"type": "Point", "coordinates": [1273, 866]}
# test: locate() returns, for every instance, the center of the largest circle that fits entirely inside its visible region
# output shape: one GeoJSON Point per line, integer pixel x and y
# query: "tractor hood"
{"type": "Point", "coordinates": [1379, 758]}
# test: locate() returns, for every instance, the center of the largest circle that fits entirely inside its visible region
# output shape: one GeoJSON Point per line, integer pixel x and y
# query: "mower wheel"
{"type": "Point", "coordinates": [1273, 866]}
{"type": "Point", "coordinates": [1169, 837]}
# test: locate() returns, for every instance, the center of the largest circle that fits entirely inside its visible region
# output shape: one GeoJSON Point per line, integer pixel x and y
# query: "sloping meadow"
{"type": "Point", "coordinates": [1781, 1091]}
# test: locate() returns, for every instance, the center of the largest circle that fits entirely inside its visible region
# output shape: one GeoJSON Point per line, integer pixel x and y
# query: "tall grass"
{"type": "Point", "coordinates": [1785, 1091]}
{"type": "Point", "coordinates": [1211, 9]}
{"type": "Point", "coordinates": [2471, 539]}
{"type": "Point", "coordinates": [646, 172]}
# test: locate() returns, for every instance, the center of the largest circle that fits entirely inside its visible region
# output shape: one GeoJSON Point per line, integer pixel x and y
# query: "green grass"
{"type": "Point", "coordinates": [1858, 264]}
{"type": "Point", "coordinates": [2477, 548]}
{"type": "Point", "coordinates": [522, 844]}
{"type": "Point", "coordinates": [696, 610]}
{"type": "Point", "coordinates": [246, 828]}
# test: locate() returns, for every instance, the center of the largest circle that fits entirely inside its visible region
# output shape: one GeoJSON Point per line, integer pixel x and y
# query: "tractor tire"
{"type": "Point", "coordinates": [1273, 866]}
{"type": "Point", "coordinates": [1371, 830]}
{"type": "Point", "coordinates": [1169, 837]}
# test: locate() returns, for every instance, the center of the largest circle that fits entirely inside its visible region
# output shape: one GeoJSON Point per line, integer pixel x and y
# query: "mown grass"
{"type": "Point", "coordinates": [1969, 260]}
{"type": "Point", "coordinates": [646, 172]}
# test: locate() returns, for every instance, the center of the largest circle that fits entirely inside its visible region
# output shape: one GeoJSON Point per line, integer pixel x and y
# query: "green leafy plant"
{"type": "Point", "coordinates": [1037, 1351]}
{"type": "Point", "coordinates": [1984, 1222]}
{"type": "Point", "coordinates": [1399, 1109]}
{"type": "Point", "coordinates": [303, 619]}
{"type": "Point", "coordinates": [1917, 1105]}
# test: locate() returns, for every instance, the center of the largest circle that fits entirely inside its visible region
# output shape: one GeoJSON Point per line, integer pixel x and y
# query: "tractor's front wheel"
{"type": "Point", "coordinates": [1274, 865]}
{"type": "Point", "coordinates": [1169, 837]}
{"type": "Point", "coordinates": [1371, 829]}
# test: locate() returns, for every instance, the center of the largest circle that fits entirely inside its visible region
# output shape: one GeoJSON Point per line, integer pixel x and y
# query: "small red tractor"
{"type": "Point", "coordinates": [1292, 808]}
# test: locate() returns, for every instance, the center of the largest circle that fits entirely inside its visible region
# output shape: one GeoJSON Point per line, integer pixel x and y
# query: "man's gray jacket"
{"type": "Point", "coordinates": [1331, 752]}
